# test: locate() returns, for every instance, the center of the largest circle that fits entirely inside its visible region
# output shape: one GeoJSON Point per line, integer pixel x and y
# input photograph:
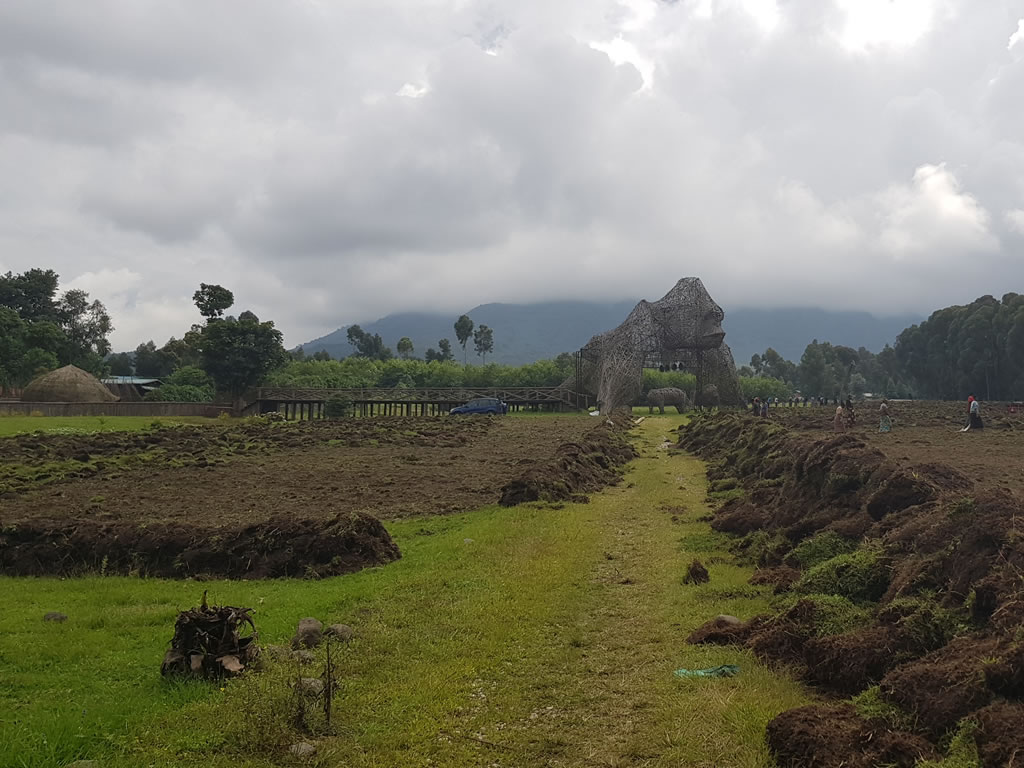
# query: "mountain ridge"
{"type": "Point", "coordinates": [527, 332]}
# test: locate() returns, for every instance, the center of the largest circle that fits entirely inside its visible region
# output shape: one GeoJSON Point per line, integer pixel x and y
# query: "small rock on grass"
{"type": "Point", "coordinates": [303, 750]}
{"type": "Point", "coordinates": [311, 687]}
{"type": "Point", "coordinates": [83, 764]}
{"type": "Point", "coordinates": [303, 657]}
{"type": "Point", "coordinates": [276, 652]}
{"type": "Point", "coordinates": [341, 632]}
{"type": "Point", "coordinates": [55, 616]}
{"type": "Point", "coordinates": [308, 634]}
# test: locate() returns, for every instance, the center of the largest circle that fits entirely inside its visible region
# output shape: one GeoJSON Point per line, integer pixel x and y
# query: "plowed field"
{"type": "Point", "coordinates": [231, 476]}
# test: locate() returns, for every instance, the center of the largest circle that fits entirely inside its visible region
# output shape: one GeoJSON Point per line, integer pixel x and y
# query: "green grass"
{"type": "Point", "coordinates": [550, 634]}
{"type": "Point", "coordinates": [13, 425]}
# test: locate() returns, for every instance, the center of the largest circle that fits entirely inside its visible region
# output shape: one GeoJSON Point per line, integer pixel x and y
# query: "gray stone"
{"type": "Point", "coordinates": [311, 687]}
{"type": "Point", "coordinates": [303, 657]}
{"type": "Point", "coordinates": [725, 620]}
{"type": "Point", "coordinates": [276, 652]}
{"type": "Point", "coordinates": [341, 632]}
{"type": "Point", "coordinates": [308, 634]}
{"type": "Point", "coordinates": [303, 750]}
{"type": "Point", "coordinates": [55, 616]}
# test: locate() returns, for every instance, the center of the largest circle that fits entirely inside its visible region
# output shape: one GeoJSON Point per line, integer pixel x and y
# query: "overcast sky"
{"type": "Point", "coordinates": [332, 161]}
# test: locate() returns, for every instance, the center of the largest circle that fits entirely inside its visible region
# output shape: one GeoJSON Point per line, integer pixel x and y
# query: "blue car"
{"type": "Point", "coordinates": [481, 405]}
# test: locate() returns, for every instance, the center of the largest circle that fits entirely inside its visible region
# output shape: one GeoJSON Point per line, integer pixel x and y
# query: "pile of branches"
{"type": "Point", "coordinates": [211, 642]}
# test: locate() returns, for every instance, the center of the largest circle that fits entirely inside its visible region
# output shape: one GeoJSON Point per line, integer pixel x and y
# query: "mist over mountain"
{"type": "Point", "coordinates": [527, 332]}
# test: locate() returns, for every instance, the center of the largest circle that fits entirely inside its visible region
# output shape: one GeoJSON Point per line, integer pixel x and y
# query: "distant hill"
{"type": "Point", "coordinates": [527, 332]}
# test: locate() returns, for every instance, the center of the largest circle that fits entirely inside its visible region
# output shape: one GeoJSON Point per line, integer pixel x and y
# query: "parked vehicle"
{"type": "Point", "coordinates": [481, 405]}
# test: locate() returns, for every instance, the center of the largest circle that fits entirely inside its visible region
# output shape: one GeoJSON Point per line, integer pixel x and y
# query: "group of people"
{"type": "Point", "coordinates": [845, 416]}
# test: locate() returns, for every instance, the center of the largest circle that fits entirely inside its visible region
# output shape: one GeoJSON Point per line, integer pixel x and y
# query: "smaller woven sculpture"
{"type": "Point", "coordinates": [683, 329]}
{"type": "Point", "coordinates": [659, 398]}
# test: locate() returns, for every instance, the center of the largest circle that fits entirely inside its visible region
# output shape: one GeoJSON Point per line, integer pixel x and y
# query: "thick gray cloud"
{"type": "Point", "coordinates": [333, 162]}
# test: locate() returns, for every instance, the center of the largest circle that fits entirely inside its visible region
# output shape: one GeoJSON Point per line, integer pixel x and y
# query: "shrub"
{"type": "Point", "coordinates": [860, 576]}
{"type": "Point", "coordinates": [337, 407]}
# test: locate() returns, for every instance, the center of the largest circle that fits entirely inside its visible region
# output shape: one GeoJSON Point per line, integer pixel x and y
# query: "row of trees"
{"type": "Point", "coordinates": [976, 348]}
{"type": "Point", "coordinates": [358, 371]}
{"type": "Point", "coordinates": [373, 347]}
{"type": "Point", "coordinates": [41, 329]}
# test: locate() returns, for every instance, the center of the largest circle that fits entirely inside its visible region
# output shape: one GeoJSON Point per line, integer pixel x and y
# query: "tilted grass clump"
{"type": "Point", "coordinates": [762, 548]}
{"type": "Point", "coordinates": [819, 548]}
{"type": "Point", "coordinates": [862, 575]}
{"type": "Point", "coordinates": [834, 615]}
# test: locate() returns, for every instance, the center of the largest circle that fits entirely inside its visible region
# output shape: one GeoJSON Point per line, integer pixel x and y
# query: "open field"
{"type": "Point", "coordinates": [390, 467]}
{"type": "Point", "coordinates": [15, 425]}
{"type": "Point", "coordinates": [927, 432]}
{"type": "Point", "coordinates": [539, 635]}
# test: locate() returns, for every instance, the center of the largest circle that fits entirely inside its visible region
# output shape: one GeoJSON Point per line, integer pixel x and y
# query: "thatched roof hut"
{"type": "Point", "coordinates": [67, 385]}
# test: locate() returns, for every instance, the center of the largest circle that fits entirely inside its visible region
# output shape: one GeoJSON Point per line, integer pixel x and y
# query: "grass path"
{"type": "Point", "coordinates": [532, 636]}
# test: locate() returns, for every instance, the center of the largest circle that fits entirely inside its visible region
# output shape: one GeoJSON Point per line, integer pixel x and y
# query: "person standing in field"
{"type": "Point", "coordinates": [884, 421]}
{"type": "Point", "coordinates": [974, 415]}
{"type": "Point", "coordinates": [837, 422]}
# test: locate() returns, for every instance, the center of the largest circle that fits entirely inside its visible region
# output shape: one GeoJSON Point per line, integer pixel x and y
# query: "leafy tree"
{"type": "Point", "coordinates": [368, 346]}
{"type": "Point", "coordinates": [121, 364]}
{"type": "Point", "coordinates": [213, 300]}
{"type": "Point", "coordinates": [404, 347]}
{"type": "Point", "coordinates": [483, 341]}
{"type": "Point", "coordinates": [813, 370]}
{"type": "Point", "coordinates": [184, 351]}
{"type": "Point", "coordinates": [463, 332]}
{"type": "Point", "coordinates": [442, 354]}
{"type": "Point", "coordinates": [321, 354]}
{"type": "Point", "coordinates": [85, 323]}
{"type": "Point", "coordinates": [150, 361]}
{"type": "Point", "coordinates": [188, 384]}
{"type": "Point", "coordinates": [239, 353]}
{"type": "Point", "coordinates": [30, 294]}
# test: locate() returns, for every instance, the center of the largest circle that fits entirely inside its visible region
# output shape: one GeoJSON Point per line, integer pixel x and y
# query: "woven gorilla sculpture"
{"type": "Point", "coordinates": [684, 326]}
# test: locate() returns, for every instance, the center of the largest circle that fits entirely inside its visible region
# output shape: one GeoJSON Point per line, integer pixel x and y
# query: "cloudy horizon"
{"type": "Point", "coordinates": [335, 162]}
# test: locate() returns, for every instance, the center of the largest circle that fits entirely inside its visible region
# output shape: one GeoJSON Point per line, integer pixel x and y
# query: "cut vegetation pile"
{"type": "Point", "coordinates": [211, 641]}
{"type": "Point", "coordinates": [576, 468]}
{"type": "Point", "coordinates": [281, 546]}
{"type": "Point", "coordinates": [900, 586]}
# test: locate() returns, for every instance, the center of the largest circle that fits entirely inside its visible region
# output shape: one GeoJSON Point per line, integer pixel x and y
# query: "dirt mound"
{"type": "Point", "coordinates": [835, 736]}
{"type": "Point", "coordinates": [920, 550]}
{"type": "Point", "coordinates": [696, 574]}
{"type": "Point", "coordinates": [281, 546]}
{"type": "Point", "coordinates": [782, 577]}
{"type": "Point", "coordinates": [576, 468]}
{"type": "Point", "coordinates": [999, 735]}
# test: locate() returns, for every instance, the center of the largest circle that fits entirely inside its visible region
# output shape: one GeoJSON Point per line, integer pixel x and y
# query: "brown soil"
{"type": "Point", "coordinates": [1000, 735]}
{"type": "Point", "coordinates": [950, 549]}
{"type": "Point", "coordinates": [576, 468]}
{"type": "Point", "coordinates": [388, 467]}
{"type": "Point", "coordinates": [782, 577]}
{"type": "Point", "coordinates": [835, 736]}
{"type": "Point", "coordinates": [927, 432]}
{"type": "Point", "coordinates": [696, 574]}
{"type": "Point", "coordinates": [233, 500]}
{"type": "Point", "coordinates": [282, 546]}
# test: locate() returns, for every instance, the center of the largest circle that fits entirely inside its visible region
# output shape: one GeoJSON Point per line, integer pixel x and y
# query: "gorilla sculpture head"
{"type": "Point", "coordinates": [683, 326]}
